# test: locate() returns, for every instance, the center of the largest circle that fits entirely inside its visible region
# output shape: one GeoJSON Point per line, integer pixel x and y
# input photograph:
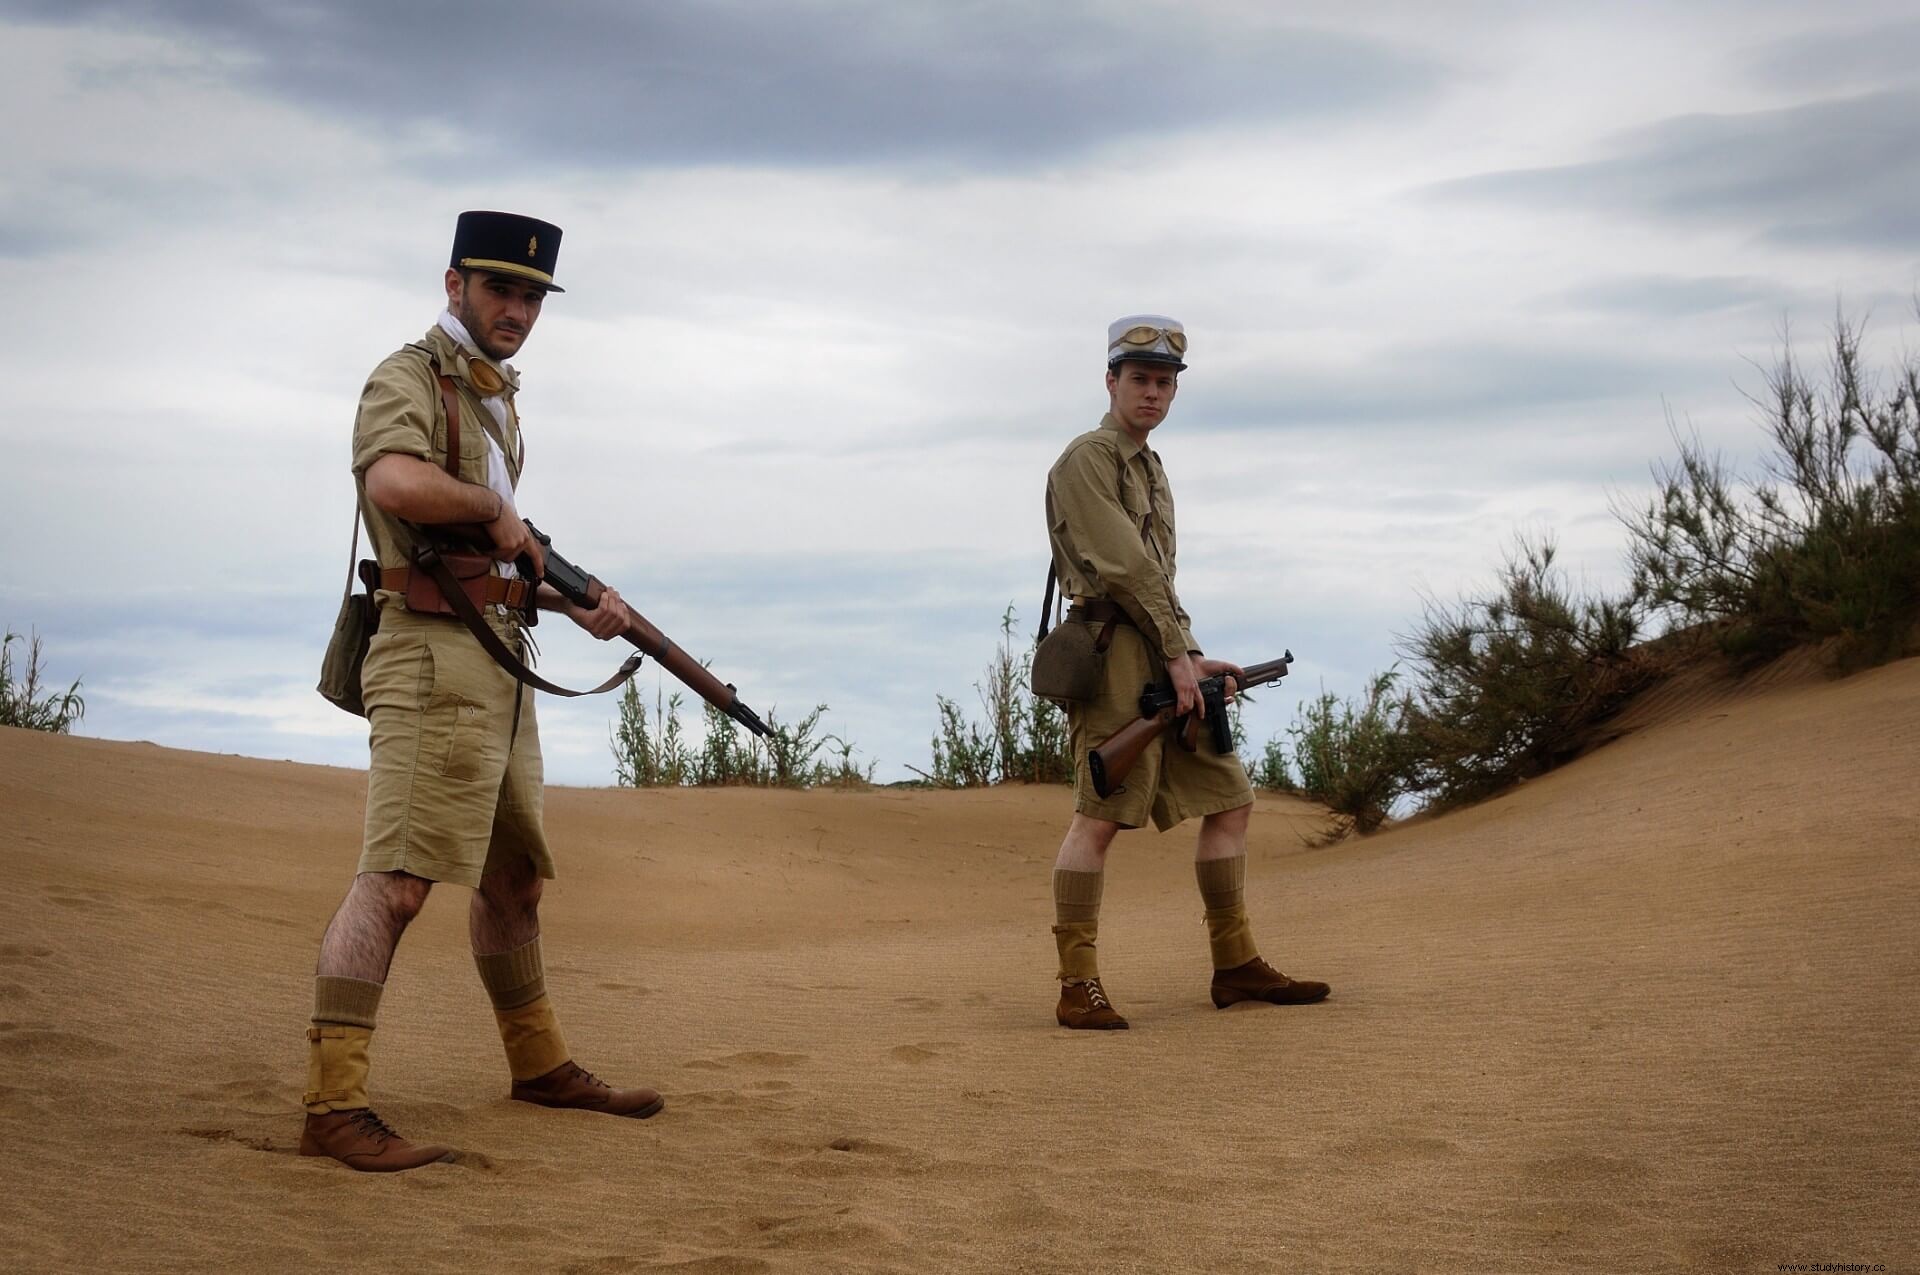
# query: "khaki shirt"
{"type": "Point", "coordinates": [400, 412]}
{"type": "Point", "coordinates": [1110, 521]}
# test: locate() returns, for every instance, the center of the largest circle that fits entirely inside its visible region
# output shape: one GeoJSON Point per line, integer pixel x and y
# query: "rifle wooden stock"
{"type": "Point", "coordinates": [1108, 764]}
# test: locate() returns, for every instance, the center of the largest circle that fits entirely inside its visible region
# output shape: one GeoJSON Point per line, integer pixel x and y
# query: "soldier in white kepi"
{"type": "Point", "coordinates": [1110, 523]}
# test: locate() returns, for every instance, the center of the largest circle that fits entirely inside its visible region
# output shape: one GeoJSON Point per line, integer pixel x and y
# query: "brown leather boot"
{"type": "Point", "coordinates": [1084, 1006]}
{"type": "Point", "coordinates": [571, 1085]}
{"type": "Point", "coordinates": [1259, 981]}
{"type": "Point", "coordinates": [361, 1140]}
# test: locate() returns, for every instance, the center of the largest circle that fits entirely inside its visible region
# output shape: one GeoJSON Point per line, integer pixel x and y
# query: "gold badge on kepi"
{"type": "Point", "coordinates": [533, 246]}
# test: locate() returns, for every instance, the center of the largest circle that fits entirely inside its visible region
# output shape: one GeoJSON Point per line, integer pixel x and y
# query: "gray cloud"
{"type": "Point", "coordinates": [826, 82]}
{"type": "Point", "coordinates": [1833, 172]}
{"type": "Point", "coordinates": [1656, 295]}
{"type": "Point", "coordinates": [1847, 59]}
{"type": "Point", "coordinates": [1417, 385]}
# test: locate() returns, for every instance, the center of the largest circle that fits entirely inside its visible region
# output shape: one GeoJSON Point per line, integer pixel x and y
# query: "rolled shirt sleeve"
{"type": "Point", "coordinates": [1107, 541]}
{"type": "Point", "coordinates": [396, 413]}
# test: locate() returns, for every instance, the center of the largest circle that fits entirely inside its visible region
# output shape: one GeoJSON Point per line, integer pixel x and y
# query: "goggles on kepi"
{"type": "Point", "coordinates": [1146, 336]}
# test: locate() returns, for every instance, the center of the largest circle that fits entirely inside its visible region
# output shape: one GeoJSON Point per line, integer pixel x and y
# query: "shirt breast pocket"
{"type": "Point", "coordinates": [1136, 500]}
{"type": "Point", "coordinates": [473, 447]}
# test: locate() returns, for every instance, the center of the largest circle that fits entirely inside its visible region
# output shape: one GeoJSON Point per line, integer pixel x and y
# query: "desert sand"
{"type": "Point", "coordinates": [1655, 1012]}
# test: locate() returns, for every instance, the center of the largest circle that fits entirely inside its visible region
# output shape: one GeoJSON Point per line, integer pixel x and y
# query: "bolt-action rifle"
{"type": "Point", "coordinates": [1109, 763]}
{"type": "Point", "coordinates": [583, 590]}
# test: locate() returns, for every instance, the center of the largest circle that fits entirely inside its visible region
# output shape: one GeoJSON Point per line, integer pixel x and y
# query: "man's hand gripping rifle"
{"type": "Point", "coordinates": [583, 590]}
{"type": "Point", "coordinates": [1109, 763]}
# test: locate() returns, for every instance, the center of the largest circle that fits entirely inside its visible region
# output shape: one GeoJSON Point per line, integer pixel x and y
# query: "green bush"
{"type": "Point", "coordinates": [24, 703]}
{"type": "Point", "coordinates": [1023, 737]}
{"type": "Point", "coordinates": [1351, 755]}
{"type": "Point", "coordinates": [1509, 684]}
{"type": "Point", "coordinates": [652, 752]}
{"type": "Point", "coordinates": [1827, 548]}
{"type": "Point", "coordinates": [649, 755]}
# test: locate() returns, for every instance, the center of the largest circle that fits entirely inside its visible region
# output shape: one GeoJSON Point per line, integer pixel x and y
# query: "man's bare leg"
{"type": "Point", "coordinates": [1085, 846]}
{"type": "Point", "coordinates": [366, 928]}
{"type": "Point", "coordinates": [1223, 835]}
{"type": "Point", "coordinates": [355, 955]}
{"type": "Point", "coordinates": [504, 925]}
{"type": "Point", "coordinates": [506, 908]}
{"type": "Point", "coordinates": [1078, 879]}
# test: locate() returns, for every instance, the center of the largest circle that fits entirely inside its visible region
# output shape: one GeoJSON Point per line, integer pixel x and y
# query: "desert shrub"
{"type": "Point", "coordinates": [842, 771]}
{"type": "Point", "coordinates": [1022, 737]}
{"type": "Point", "coordinates": [649, 753]}
{"type": "Point", "coordinates": [27, 703]}
{"type": "Point", "coordinates": [790, 751]}
{"type": "Point", "coordinates": [651, 750]}
{"type": "Point", "coordinates": [1508, 684]}
{"type": "Point", "coordinates": [1827, 546]}
{"type": "Point", "coordinates": [1271, 769]}
{"type": "Point", "coordinates": [1352, 754]}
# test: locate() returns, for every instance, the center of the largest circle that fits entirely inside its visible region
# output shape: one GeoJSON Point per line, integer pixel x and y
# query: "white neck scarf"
{"type": "Point", "coordinates": [496, 405]}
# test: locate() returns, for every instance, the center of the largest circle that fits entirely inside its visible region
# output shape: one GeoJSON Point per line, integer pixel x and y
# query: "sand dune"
{"type": "Point", "coordinates": [1653, 1012]}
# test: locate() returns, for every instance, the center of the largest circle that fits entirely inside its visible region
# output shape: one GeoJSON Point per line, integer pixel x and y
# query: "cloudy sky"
{"type": "Point", "coordinates": [839, 276]}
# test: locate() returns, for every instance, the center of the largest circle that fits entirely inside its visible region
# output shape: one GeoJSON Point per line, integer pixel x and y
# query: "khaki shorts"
{"type": "Point", "coordinates": [1168, 783]}
{"type": "Point", "coordinates": [445, 799]}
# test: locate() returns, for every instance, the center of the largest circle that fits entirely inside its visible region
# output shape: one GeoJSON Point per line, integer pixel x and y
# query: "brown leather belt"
{"type": "Point", "coordinates": [1100, 611]}
{"type": "Point", "coordinates": [477, 581]}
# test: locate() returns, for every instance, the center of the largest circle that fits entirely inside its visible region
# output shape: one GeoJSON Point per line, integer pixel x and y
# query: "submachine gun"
{"type": "Point", "coordinates": [1109, 763]}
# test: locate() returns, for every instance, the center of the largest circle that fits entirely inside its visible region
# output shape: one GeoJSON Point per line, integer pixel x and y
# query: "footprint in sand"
{"type": "Point", "coordinates": [719, 1264]}
{"type": "Point", "coordinates": [228, 1135]}
{"type": "Point", "coordinates": [21, 953]}
{"type": "Point", "coordinates": [261, 1092]}
{"type": "Point", "coordinates": [630, 989]}
{"type": "Point", "coordinates": [921, 1003]}
{"type": "Point", "coordinates": [80, 900]}
{"type": "Point", "coordinates": [748, 1058]}
{"type": "Point", "coordinates": [924, 1052]}
{"type": "Point", "coordinates": [15, 1101]}
{"type": "Point", "coordinates": [509, 1231]}
{"type": "Point", "coordinates": [51, 1046]}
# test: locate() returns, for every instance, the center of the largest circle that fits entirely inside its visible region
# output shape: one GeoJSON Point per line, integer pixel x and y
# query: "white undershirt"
{"type": "Point", "coordinates": [499, 478]}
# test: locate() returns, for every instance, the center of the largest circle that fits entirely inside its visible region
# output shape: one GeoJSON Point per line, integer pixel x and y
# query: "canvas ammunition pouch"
{"type": "Point", "coordinates": [1069, 662]}
{"type": "Point", "coordinates": [353, 630]}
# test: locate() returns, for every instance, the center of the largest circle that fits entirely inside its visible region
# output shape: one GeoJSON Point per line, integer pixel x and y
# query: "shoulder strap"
{"type": "Point", "coordinates": [429, 560]}
{"type": "Point", "coordinates": [353, 553]}
{"type": "Point", "coordinates": [1046, 599]}
{"type": "Point", "coordinates": [450, 399]}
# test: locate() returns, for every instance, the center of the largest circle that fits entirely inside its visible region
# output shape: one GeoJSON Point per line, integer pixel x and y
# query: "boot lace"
{"type": "Point", "coordinates": [1096, 998]}
{"type": "Point", "coordinates": [587, 1078]}
{"type": "Point", "coordinates": [372, 1125]}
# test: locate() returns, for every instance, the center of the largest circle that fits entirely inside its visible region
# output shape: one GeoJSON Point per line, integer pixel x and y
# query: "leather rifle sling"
{"type": "Point", "coordinates": [429, 561]}
{"type": "Point", "coordinates": [462, 605]}
{"type": "Point", "coordinates": [450, 399]}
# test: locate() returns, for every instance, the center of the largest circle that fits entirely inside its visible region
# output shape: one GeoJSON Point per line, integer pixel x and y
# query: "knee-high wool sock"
{"type": "Point", "coordinates": [1076, 913]}
{"type": "Point", "coordinates": [516, 982]}
{"type": "Point", "coordinates": [1223, 890]}
{"type": "Point", "coordinates": [344, 1010]}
